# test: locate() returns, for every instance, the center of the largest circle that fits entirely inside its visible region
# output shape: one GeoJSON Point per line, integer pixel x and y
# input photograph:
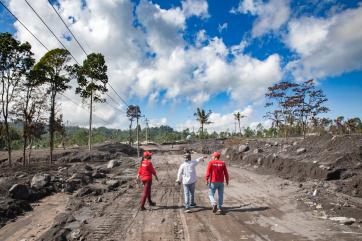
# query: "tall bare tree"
{"type": "Point", "coordinates": [53, 70]}
{"type": "Point", "coordinates": [92, 80]}
{"type": "Point", "coordinates": [16, 60]}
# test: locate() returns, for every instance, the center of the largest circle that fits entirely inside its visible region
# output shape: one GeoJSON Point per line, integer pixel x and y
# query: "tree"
{"type": "Point", "coordinates": [248, 132]}
{"type": "Point", "coordinates": [16, 60]}
{"type": "Point", "coordinates": [353, 124]}
{"type": "Point", "coordinates": [279, 96]}
{"type": "Point", "coordinates": [238, 116]}
{"type": "Point", "coordinates": [29, 107]}
{"type": "Point", "coordinates": [92, 80]}
{"type": "Point", "coordinates": [203, 118]}
{"type": "Point", "coordinates": [53, 70]}
{"type": "Point", "coordinates": [339, 125]}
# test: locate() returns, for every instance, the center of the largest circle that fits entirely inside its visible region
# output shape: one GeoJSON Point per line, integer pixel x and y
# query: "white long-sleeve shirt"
{"type": "Point", "coordinates": [187, 171]}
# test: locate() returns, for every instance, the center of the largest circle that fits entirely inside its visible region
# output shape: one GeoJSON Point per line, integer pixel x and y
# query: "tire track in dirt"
{"type": "Point", "coordinates": [162, 222]}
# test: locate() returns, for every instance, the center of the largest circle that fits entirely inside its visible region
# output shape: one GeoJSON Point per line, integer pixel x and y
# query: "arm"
{"type": "Point", "coordinates": [198, 160]}
{"type": "Point", "coordinates": [153, 171]}
{"type": "Point", "coordinates": [226, 174]}
{"type": "Point", "coordinates": [179, 173]}
{"type": "Point", "coordinates": [208, 172]}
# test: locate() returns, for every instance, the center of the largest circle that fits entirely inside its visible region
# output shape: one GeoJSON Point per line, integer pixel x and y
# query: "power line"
{"type": "Point", "coordinates": [23, 25]}
{"type": "Point", "coordinates": [68, 28]}
{"type": "Point", "coordinates": [85, 52]}
{"type": "Point", "coordinates": [46, 25]}
{"type": "Point", "coordinates": [71, 100]}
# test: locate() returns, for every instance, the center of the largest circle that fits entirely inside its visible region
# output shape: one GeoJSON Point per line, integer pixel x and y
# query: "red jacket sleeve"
{"type": "Point", "coordinates": [226, 174]}
{"type": "Point", "coordinates": [152, 170]}
{"type": "Point", "coordinates": [208, 171]}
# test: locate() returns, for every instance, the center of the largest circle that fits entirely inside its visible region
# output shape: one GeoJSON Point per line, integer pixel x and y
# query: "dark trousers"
{"type": "Point", "coordinates": [146, 192]}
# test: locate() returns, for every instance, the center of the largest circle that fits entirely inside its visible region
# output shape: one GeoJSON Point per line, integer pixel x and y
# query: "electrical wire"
{"type": "Point", "coordinates": [46, 25]}
{"type": "Point", "coordinates": [23, 25]}
{"type": "Point", "coordinates": [85, 52]}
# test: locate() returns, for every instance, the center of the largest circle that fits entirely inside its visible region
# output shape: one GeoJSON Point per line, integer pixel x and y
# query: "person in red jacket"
{"type": "Point", "coordinates": [216, 174]}
{"type": "Point", "coordinates": [145, 173]}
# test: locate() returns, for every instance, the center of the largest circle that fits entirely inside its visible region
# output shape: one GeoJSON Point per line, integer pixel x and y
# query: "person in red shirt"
{"type": "Point", "coordinates": [145, 172]}
{"type": "Point", "coordinates": [216, 174]}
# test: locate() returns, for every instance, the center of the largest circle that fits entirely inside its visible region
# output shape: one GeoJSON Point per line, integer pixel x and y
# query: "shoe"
{"type": "Point", "coordinates": [219, 212]}
{"type": "Point", "coordinates": [193, 205]}
{"type": "Point", "coordinates": [142, 208]}
{"type": "Point", "coordinates": [152, 204]}
{"type": "Point", "coordinates": [214, 208]}
{"type": "Point", "coordinates": [187, 210]}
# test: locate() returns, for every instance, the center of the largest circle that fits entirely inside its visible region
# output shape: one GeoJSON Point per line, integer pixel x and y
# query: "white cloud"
{"type": "Point", "coordinates": [327, 47]}
{"type": "Point", "coordinates": [150, 57]}
{"type": "Point", "coordinates": [222, 27]}
{"type": "Point", "coordinates": [270, 16]}
{"type": "Point", "coordinates": [195, 8]}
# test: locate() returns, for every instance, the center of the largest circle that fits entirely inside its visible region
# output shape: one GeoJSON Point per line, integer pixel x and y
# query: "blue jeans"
{"type": "Point", "coordinates": [189, 194]}
{"type": "Point", "coordinates": [219, 186]}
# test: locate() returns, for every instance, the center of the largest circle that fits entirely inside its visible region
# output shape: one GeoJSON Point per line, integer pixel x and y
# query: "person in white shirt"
{"type": "Point", "coordinates": [187, 175]}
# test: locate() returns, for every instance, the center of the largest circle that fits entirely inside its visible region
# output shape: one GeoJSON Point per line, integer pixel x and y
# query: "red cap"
{"type": "Point", "coordinates": [216, 154]}
{"type": "Point", "coordinates": [147, 154]}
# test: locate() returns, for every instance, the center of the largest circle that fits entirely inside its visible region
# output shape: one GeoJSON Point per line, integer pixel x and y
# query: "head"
{"type": "Point", "coordinates": [216, 155]}
{"type": "Point", "coordinates": [147, 155]}
{"type": "Point", "coordinates": [187, 155]}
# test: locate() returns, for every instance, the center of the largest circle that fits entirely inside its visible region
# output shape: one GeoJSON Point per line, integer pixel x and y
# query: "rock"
{"type": "Point", "coordinates": [99, 199]}
{"type": "Point", "coordinates": [257, 150]}
{"type": "Point", "coordinates": [315, 193]}
{"type": "Point", "coordinates": [112, 184]}
{"type": "Point", "coordinates": [224, 151]}
{"type": "Point", "coordinates": [112, 163]}
{"type": "Point", "coordinates": [88, 168]}
{"type": "Point", "coordinates": [260, 161]}
{"type": "Point", "coordinates": [83, 192]}
{"type": "Point", "coordinates": [267, 145]}
{"type": "Point", "coordinates": [295, 143]}
{"type": "Point", "coordinates": [243, 148]}
{"type": "Point", "coordinates": [275, 143]}
{"type": "Point", "coordinates": [333, 138]}
{"type": "Point", "coordinates": [319, 206]}
{"type": "Point", "coordinates": [301, 150]}
{"type": "Point", "coordinates": [39, 181]}
{"type": "Point", "coordinates": [97, 174]}
{"type": "Point", "coordinates": [75, 234]}
{"type": "Point", "coordinates": [343, 220]}
{"type": "Point", "coordinates": [19, 191]}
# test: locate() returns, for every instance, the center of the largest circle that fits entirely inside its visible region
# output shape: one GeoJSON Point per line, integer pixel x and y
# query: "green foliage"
{"type": "Point", "coordinates": [92, 77]}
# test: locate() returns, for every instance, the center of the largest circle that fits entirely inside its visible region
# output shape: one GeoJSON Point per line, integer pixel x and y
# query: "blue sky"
{"type": "Point", "coordinates": [173, 56]}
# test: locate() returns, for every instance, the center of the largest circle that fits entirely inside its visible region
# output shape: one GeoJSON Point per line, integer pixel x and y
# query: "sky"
{"type": "Point", "coordinates": [170, 57]}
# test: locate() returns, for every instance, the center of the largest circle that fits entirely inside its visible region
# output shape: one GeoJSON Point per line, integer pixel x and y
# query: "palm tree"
{"type": "Point", "coordinates": [238, 116]}
{"type": "Point", "coordinates": [203, 118]}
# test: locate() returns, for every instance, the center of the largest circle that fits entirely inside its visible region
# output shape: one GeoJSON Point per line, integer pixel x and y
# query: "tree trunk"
{"type": "Point", "coordinates": [239, 128]}
{"type": "Point", "coordinates": [30, 149]}
{"type": "Point", "coordinates": [138, 141]}
{"type": "Point", "coordinates": [51, 127]}
{"type": "Point", "coordinates": [90, 122]}
{"type": "Point", "coordinates": [8, 140]}
{"type": "Point", "coordinates": [202, 131]}
{"type": "Point", "coordinates": [24, 150]}
{"type": "Point", "coordinates": [130, 132]}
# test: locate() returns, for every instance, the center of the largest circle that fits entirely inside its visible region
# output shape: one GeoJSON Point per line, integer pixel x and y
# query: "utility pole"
{"type": "Point", "coordinates": [146, 131]}
{"type": "Point", "coordinates": [133, 111]}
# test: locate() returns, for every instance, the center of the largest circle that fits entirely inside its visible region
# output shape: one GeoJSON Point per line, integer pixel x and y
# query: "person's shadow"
{"type": "Point", "coordinates": [240, 209]}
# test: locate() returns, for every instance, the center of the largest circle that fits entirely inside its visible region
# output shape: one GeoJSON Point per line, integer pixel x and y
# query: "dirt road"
{"type": "Point", "coordinates": [257, 207]}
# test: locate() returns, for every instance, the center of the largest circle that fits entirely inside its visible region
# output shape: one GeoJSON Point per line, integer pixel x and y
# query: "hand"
{"type": "Point", "coordinates": [156, 178]}
{"type": "Point", "coordinates": [178, 182]}
{"type": "Point", "coordinates": [227, 183]}
{"type": "Point", "coordinates": [207, 183]}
